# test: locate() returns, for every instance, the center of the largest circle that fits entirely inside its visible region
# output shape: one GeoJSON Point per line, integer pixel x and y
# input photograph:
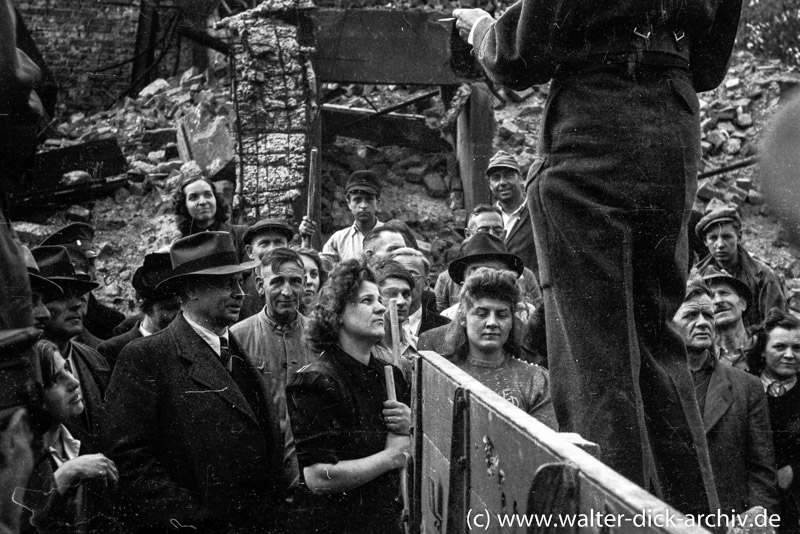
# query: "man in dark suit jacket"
{"type": "Point", "coordinates": [66, 322]}
{"type": "Point", "coordinates": [734, 409]}
{"type": "Point", "coordinates": [505, 184]}
{"type": "Point", "coordinates": [159, 308]}
{"type": "Point", "coordinates": [190, 423]}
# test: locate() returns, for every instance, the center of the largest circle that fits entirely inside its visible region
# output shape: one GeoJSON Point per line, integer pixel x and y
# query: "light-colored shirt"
{"type": "Point", "coordinates": [346, 244]}
{"type": "Point", "coordinates": [787, 384]}
{"type": "Point", "coordinates": [210, 337]}
{"type": "Point", "coordinates": [414, 322]}
{"type": "Point", "coordinates": [70, 445]}
{"type": "Point", "coordinates": [144, 332]}
{"type": "Point", "coordinates": [510, 219]}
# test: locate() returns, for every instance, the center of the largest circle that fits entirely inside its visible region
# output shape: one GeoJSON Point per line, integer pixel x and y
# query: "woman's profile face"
{"type": "Point", "coordinates": [63, 398]}
{"type": "Point", "coordinates": [363, 318]}
{"type": "Point", "coordinates": [200, 201]}
{"type": "Point", "coordinates": [782, 353]}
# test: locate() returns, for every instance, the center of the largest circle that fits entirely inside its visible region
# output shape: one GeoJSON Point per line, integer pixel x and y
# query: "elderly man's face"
{"type": "Point", "coordinates": [722, 241]}
{"type": "Point", "coordinates": [489, 222]}
{"type": "Point", "coordinates": [218, 299]}
{"type": "Point", "coordinates": [66, 317]}
{"type": "Point", "coordinates": [728, 305]}
{"type": "Point", "coordinates": [386, 243]}
{"type": "Point", "coordinates": [283, 289]}
{"type": "Point", "coordinates": [263, 242]}
{"type": "Point", "coordinates": [695, 322]}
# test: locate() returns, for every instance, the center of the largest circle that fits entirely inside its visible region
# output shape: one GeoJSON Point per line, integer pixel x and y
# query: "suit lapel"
{"type": "Point", "coordinates": [718, 399]}
{"type": "Point", "coordinates": [206, 369]}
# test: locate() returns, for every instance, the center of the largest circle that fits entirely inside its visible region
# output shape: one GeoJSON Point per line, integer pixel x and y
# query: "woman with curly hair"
{"type": "Point", "coordinates": [351, 442]}
{"type": "Point", "coordinates": [315, 276]}
{"type": "Point", "coordinates": [199, 208]}
{"type": "Point", "coordinates": [775, 357]}
{"type": "Point", "coordinates": [485, 343]}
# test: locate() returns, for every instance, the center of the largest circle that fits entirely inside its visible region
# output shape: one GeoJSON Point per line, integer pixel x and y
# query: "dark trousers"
{"type": "Point", "coordinates": [610, 205]}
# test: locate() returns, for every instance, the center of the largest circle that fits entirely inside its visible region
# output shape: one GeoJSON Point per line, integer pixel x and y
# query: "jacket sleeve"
{"type": "Point", "coordinates": [712, 51]}
{"type": "Point", "coordinates": [132, 442]}
{"type": "Point", "coordinates": [761, 479]}
{"type": "Point", "coordinates": [514, 50]}
{"type": "Point", "coordinates": [771, 294]}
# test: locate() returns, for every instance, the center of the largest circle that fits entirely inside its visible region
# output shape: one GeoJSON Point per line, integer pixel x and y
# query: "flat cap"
{"type": "Point", "coordinates": [721, 215]}
{"type": "Point", "coordinates": [268, 224]}
{"type": "Point", "coordinates": [502, 159]}
{"type": "Point", "coordinates": [366, 181]}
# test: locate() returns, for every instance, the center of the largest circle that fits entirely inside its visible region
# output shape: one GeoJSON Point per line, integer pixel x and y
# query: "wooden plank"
{"type": "Point", "coordinates": [474, 146]}
{"type": "Point", "coordinates": [390, 129]}
{"type": "Point", "coordinates": [383, 47]}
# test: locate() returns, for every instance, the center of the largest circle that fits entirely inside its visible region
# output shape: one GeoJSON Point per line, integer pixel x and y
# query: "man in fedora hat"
{"type": "Point", "coordinates": [191, 426]}
{"type": "Point", "coordinates": [42, 290]}
{"type": "Point", "coordinates": [260, 238]}
{"type": "Point", "coordinates": [64, 326]}
{"type": "Point", "coordinates": [505, 184]}
{"type": "Point", "coordinates": [362, 191]}
{"type": "Point", "coordinates": [99, 319]}
{"type": "Point", "coordinates": [19, 375]}
{"type": "Point", "coordinates": [721, 230]}
{"type": "Point", "coordinates": [730, 297]}
{"type": "Point", "coordinates": [158, 306]}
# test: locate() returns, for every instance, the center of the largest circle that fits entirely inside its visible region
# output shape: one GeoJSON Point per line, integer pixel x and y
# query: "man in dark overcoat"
{"type": "Point", "coordinates": [191, 426]}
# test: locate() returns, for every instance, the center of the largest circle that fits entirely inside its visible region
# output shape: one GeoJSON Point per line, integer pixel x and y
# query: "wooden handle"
{"type": "Point", "coordinates": [395, 324]}
{"type": "Point", "coordinates": [312, 192]}
{"type": "Point", "coordinates": [388, 375]}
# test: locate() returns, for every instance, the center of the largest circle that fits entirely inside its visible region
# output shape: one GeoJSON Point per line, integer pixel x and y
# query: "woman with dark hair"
{"type": "Point", "coordinates": [198, 207]}
{"type": "Point", "coordinates": [351, 442]}
{"type": "Point", "coordinates": [56, 497]}
{"type": "Point", "coordinates": [775, 357]}
{"type": "Point", "coordinates": [485, 343]}
{"type": "Point", "coordinates": [315, 276]}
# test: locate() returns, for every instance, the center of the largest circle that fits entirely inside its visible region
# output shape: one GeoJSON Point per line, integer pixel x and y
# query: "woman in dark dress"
{"type": "Point", "coordinates": [351, 441]}
{"type": "Point", "coordinates": [775, 358]}
{"type": "Point", "coordinates": [198, 207]}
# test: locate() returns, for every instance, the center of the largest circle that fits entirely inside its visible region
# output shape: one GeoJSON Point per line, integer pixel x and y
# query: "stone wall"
{"type": "Point", "coordinates": [273, 100]}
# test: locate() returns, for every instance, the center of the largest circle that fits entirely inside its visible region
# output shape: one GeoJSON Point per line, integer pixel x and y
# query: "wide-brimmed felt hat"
{"type": "Point", "coordinates": [80, 235]}
{"type": "Point", "coordinates": [19, 370]}
{"type": "Point", "coordinates": [365, 181]}
{"type": "Point", "coordinates": [268, 224]}
{"type": "Point", "coordinates": [156, 268]}
{"type": "Point", "coordinates": [713, 275]}
{"type": "Point", "coordinates": [721, 215]}
{"type": "Point", "coordinates": [205, 253]}
{"type": "Point", "coordinates": [483, 246]}
{"type": "Point", "coordinates": [55, 265]}
{"type": "Point", "coordinates": [502, 159]}
{"type": "Point", "coordinates": [47, 288]}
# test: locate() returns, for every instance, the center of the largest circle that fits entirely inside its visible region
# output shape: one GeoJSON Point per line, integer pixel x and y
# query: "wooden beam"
{"type": "Point", "coordinates": [144, 47]}
{"type": "Point", "coordinates": [384, 47]}
{"type": "Point", "coordinates": [474, 146]}
{"type": "Point", "coordinates": [389, 129]}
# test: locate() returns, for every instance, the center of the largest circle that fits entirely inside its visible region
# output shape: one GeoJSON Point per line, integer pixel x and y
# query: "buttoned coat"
{"type": "Point", "coordinates": [189, 448]}
{"type": "Point", "coordinates": [736, 421]}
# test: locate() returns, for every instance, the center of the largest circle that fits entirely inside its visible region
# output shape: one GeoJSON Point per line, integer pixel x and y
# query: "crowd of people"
{"type": "Point", "coordinates": [266, 387]}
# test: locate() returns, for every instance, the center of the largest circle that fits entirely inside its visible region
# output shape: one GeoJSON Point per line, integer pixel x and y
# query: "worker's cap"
{"type": "Point", "coordinates": [721, 215]}
{"type": "Point", "coordinates": [79, 235]}
{"type": "Point", "coordinates": [363, 181]}
{"type": "Point", "coordinates": [713, 276]}
{"type": "Point", "coordinates": [268, 225]}
{"type": "Point", "coordinates": [56, 265]}
{"type": "Point", "coordinates": [502, 159]}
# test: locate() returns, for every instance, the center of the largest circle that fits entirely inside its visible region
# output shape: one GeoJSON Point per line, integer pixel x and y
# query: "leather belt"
{"type": "Point", "coordinates": [644, 46]}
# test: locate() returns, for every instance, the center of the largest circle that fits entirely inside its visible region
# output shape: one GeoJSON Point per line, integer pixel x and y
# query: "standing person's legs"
{"type": "Point", "coordinates": [608, 211]}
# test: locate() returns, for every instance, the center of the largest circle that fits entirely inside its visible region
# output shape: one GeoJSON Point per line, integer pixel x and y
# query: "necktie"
{"type": "Point", "coordinates": [776, 389]}
{"type": "Point", "coordinates": [224, 352]}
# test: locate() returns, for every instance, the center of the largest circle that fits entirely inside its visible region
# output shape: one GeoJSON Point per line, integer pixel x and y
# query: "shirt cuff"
{"type": "Point", "coordinates": [471, 37]}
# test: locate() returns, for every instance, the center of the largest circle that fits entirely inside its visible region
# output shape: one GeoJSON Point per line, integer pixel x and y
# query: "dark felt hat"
{"type": "Point", "coordinates": [713, 275]}
{"type": "Point", "coordinates": [268, 224]}
{"type": "Point", "coordinates": [480, 247]}
{"type": "Point", "coordinates": [723, 214]}
{"type": "Point", "coordinates": [47, 288]}
{"type": "Point", "coordinates": [19, 369]}
{"type": "Point", "coordinates": [204, 253]}
{"type": "Point", "coordinates": [55, 265]}
{"type": "Point", "coordinates": [502, 159]}
{"type": "Point", "coordinates": [79, 235]}
{"type": "Point", "coordinates": [156, 268]}
{"type": "Point", "coordinates": [366, 181]}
